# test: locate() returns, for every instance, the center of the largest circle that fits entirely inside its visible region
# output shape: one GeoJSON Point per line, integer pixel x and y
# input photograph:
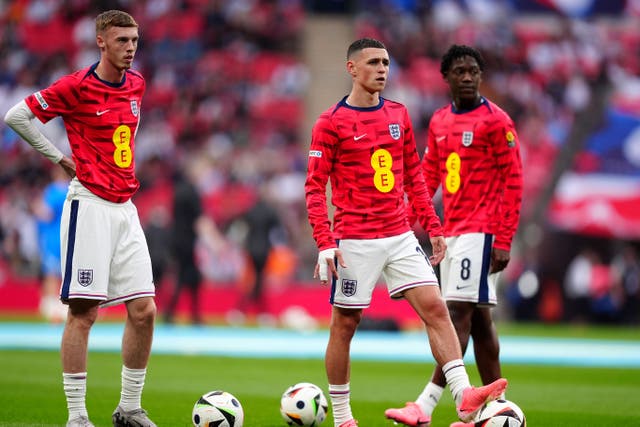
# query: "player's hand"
{"type": "Point", "coordinates": [438, 249]}
{"type": "Point", "coordinates": [326, 263]}
{"type": "Point", "coordinates": [68, 166]}
{"type": "Point", "coordinates": [499, 260]}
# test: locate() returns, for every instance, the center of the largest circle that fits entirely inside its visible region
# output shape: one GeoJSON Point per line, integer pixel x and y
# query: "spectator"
{"type": "Point", "coordinates": [263, 229]}
{"type": "Point", "coordinates": [187, 211]}
{"type": "Point", "coordinates": [48, 212]}
{"type": "Point", "coordinates": [577, 285]}
{"type": "Point", "coordinates": [626, 267]}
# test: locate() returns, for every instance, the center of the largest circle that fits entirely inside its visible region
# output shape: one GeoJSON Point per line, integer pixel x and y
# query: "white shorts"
{"type": "Point", "coordinates": [399, 259]}
{"type": "Point", "coordinates": [464, 271]}
{"type": "Point", "coordinates": [104, 251]}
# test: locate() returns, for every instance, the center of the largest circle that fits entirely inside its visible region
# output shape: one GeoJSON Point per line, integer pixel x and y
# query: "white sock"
{"type": "Point", "coordinates": [429, 397]}
{"type": "Point", "coordinates": [75, 390]}
{"type": "Point", "coordinates": [457, 378]}
{"type": "Point", "coordinates": [340, 396]}
{"type": "Point", "coordinates": [132, 384]}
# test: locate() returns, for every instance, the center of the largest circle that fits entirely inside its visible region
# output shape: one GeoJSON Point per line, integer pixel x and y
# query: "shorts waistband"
{"type": "Point", "coordinates": [79, 191]}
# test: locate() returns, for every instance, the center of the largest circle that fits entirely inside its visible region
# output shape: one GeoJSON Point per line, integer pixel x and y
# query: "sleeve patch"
{"type": "Point", "coordinates": [41, 100]}
{"type": "Point", "coordinates": [315, 153]}
{"type": "Point", "coordinates": [511, 139]}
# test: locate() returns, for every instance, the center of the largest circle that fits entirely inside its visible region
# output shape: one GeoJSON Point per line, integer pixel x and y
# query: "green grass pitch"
{"type": "Point", "coordinates": [556, 396]}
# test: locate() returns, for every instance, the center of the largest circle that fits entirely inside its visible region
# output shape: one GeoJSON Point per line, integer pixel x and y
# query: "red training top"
{"type": "Point", "coordinates": [369, 154]}
{"type": "Point", "coordinates": [101, 120]}
{"type": "Point", "coordinates": [475, 156]}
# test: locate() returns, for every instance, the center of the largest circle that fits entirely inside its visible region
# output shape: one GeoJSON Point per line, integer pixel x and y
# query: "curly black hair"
{"type": "Point", "coordinates": [458, 51]}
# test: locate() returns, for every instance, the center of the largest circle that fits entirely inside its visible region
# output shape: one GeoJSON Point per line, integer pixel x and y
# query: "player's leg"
{"type": "Point", "coordinates": [409, 274]}
{"type": "Point", "coordinates": [350, 295]}
{"type": "Point", "coordinates": [446, 350]}
{"type": "Point", "coordinates": [467, 285]}
{"type": "Point", "coordinates": [344, 323]}
{"type": "Point", "coordinates": [410, 265]}
{"type": "Point", "coordinates": [486, 345]}
{"type": "Point", "coordinates": [136, 348]}
{"type": "Point", "coordinates": [138, 332]}
{"type": "Point", "coordinates": [419, 413]}
{"type": "Point", "coordinates": [82, 288]}
{"type": "Point", "coordinates": [75, 340]}
{"type": "Point", "coordinates": [426, 300]}
{"type": "Point", "coordinates": [131, 282]}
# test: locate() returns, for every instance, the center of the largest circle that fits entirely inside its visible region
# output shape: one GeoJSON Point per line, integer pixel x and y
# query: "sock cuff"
{"type": "Point", "coordinates": [134, 374]}
{"type": "Point", "coordinates": [434, 387]}
{"type": "Point", "coordinates": [74, 376]}
{"type": "Point", "coordinates": [337, 388]}
{"type": "Point", "coordinates": [452, 364]}
{"type": "Point", "coordinates": [133, 371]}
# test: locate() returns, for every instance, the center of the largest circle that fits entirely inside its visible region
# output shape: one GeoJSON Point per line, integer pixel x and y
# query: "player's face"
{"type": "Point", "coordinates": [464, 77]}
{"type": "Point", "coordinates": [370, 68]}
{"type": "Point", "coordinates": [118, 46]}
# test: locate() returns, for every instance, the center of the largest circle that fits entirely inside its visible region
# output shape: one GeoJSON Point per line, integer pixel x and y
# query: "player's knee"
{"type": "Point", "coordinates": [437, 309]}
{"type": "Point", "coordinates": [142, 311]}
{"type": "Point", "coordinates": [345, 322]}
{"type": "Point", "coordinates": [436, 315]}
{"type": "Point", "coordinates": [82, 313]}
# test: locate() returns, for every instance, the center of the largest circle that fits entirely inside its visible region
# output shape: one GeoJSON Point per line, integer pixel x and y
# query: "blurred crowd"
{"type": "Point", "coordinates": [225, 91]}
{"type": "Point", "coordinates": [542, 69]}
{"type": "Point", "coordinates": [224, 99]}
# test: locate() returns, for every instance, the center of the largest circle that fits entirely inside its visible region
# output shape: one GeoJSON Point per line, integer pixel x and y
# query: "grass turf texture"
{"type": "Point", "coordinates": [550, 396]}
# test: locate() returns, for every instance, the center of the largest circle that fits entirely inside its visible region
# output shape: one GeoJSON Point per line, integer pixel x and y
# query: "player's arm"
{"type": "Point", "coordinates": [20, 119]}
{"type": "Point", "coordinates": [510, 169]}
{"type": "Point", "coordinates": [321, 154]}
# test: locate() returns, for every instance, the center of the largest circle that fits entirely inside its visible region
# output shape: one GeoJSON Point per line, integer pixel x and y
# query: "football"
{"type": "Point", "coordinates": [500, 413]}
{"type": "Point", "coordinates": [217, 408]}
{"type": "Point", "coordinates": [303, 404]}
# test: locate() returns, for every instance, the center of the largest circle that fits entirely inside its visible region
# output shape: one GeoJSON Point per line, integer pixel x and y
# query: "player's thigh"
{"type": "Point", "coordinates": [465, 269]}
{"type": "Point", "coordinates": [407, 266]}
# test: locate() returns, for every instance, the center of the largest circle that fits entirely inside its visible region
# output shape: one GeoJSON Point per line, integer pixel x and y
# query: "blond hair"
{"type": "Point", "coordinates": [114, 18]}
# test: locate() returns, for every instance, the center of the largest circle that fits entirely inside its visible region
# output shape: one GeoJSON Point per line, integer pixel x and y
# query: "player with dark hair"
{"type": "Point", "coordinates": [104, 252]}
{"type": "Point", "coordinates": [364, 145]}
{"type": "Point", "coordinates": [473, 152]}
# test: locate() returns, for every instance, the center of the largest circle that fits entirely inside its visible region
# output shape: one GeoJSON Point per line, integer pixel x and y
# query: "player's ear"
{"type": "Point", "coordinates": [351, 68]}
{"type": "Point", "coordinates": [100, 41]}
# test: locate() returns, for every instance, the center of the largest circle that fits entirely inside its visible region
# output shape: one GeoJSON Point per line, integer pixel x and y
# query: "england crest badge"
{"type": "Point", "coordinates": [467, 138]}
{"type": "Point", "coordinates": [394, 130]}
{"type": "Point", "coordinates": [349, 287]}
{"type": "Point", "coordinates": [85, 276]}
{"type": "Point", "coordinates": [134, 107]}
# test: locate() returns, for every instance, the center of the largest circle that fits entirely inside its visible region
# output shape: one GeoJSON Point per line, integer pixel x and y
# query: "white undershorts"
{"type": "Point", "coordinates": [464, 271]}
{"type": "Point", "coordinates": [104, 251]}
{"type": "Point", "coordinates": [399, 259]}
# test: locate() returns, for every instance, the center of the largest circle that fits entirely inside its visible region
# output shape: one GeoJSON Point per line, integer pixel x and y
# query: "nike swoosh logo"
{"type": "Point", "coordinates": [359, 137]}
{"type": "Point", "coordinates": [99, 113]}
{"type": "Point", "coordinates": [440, 138]}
